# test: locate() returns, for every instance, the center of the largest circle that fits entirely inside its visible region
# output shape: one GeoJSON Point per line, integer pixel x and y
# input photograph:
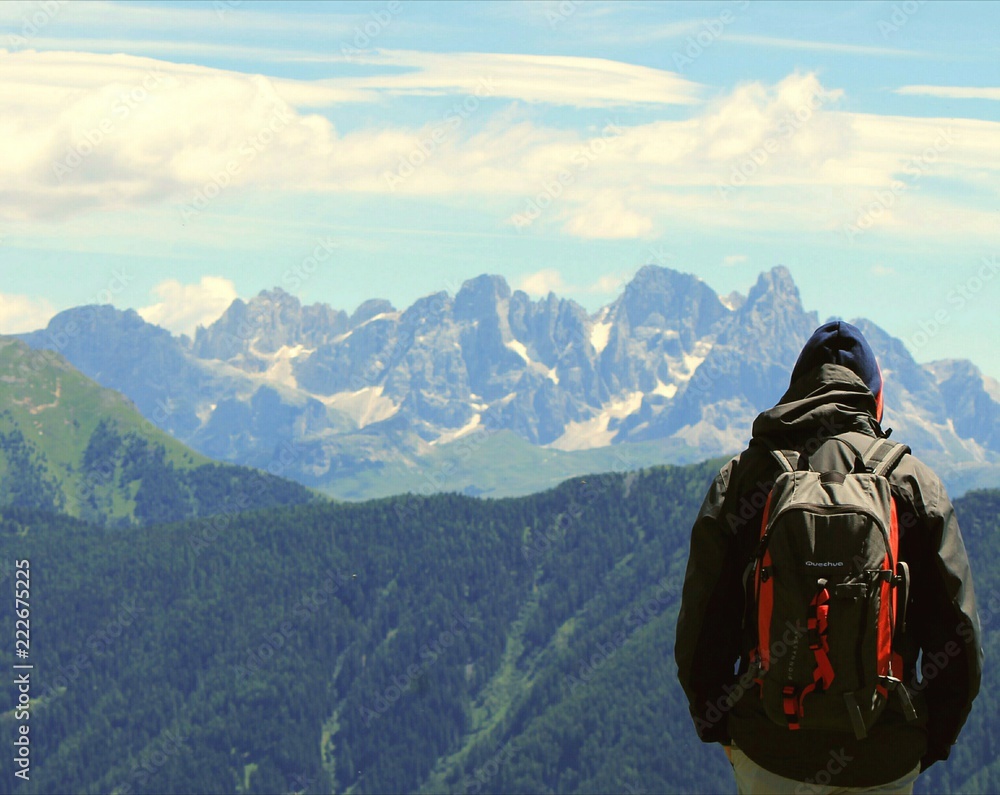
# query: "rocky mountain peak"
{"type": "Point", "coordinates": [276, 295]}
{"type": "Point", "coordinates": [369, 309]}
{"type": "Point", "coordinates": [478, 297]}
{"type": "Point", "coordinates": [663, 298]}
{"type": "Point", "coordinates": [775, 284]}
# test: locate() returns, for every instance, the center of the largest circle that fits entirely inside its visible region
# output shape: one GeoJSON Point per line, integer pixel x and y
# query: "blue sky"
{"type": "Point", "coordinates": [171, 157]}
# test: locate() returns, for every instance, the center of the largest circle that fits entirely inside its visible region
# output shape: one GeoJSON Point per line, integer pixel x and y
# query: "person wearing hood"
{"type": "Point", "coordinates": [836, 389]}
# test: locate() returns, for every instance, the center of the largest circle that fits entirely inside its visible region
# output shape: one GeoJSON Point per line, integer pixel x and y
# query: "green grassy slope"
{"type": "Point", "coordinates": [57, 409]}
{"type": "Point", "coordinates": [68, 445]}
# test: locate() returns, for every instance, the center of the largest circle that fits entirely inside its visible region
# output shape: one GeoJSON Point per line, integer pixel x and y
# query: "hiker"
{"type": "Point", "coordinates": [858, 568]}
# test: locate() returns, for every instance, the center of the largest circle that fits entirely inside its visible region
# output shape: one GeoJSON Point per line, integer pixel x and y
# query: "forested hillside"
{"type": "Point", "coordinates": [434, 644]}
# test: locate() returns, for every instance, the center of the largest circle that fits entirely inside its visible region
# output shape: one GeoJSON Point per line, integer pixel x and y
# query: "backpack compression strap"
{"type": "Point", "coordinates": [881, 458]}
{"type": "Point", "coordinates": [819, 644]}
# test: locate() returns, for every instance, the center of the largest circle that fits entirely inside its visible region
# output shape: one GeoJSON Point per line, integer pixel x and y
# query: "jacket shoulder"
{"type": "Point", "coordinates": [920, 485]}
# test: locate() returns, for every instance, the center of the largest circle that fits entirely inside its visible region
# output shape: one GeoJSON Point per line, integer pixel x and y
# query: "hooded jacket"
{"type": "Point", "coordinates": [712, 648]}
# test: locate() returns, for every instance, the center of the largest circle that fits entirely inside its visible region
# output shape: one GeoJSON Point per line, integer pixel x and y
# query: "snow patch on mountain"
{"type": "Point", "coordinates": [280, 369]}
{"type": "Point", "coordinates": [587, 434]}
{"type": "Point", "coordinates": [380, 316]}
{"type": "Point", "coordinates": [519, 349]}
{"type": "Point", "coordinates": [992, 387]}
{"type": "Point", "coordinates": [599, 333]}
{"type": "Point", "coordinates": [666, 390]}
{"type": "Point", "coordinates": [683, 369]}
{"type": "Point", "coordinates": [204, 411]}
{"type": "Point", "coordinates": [364, 407]}
{"type": "Point", "coordinates": [466, 429]}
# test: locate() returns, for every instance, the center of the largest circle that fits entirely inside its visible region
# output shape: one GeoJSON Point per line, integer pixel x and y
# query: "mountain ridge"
{"type": "Point", "coordinates": [668, 363]}
{"type": "Point", "coordinates": [68, 445]}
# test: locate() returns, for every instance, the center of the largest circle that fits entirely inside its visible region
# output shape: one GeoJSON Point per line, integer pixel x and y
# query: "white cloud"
{"type": "Point", "coordinates": [608, 217]}
{"type": "Point", "coordinates": [608, 284]}
{"type": "Point", "coordinates": [821, 46]}
{"type": "Point", "coordinates": [86, 131]}
{"type": "Point", "coordinates": [758, 157]}
{"type": "Point", "coordinates": [144, 23]}
{"type": "Point", "coordinates": [558, 79]}
{"type": "Point", "coordinates": [184, 307]}
{"type": "Point", "coordinates": [883, 270]}
{"type": "Point", "coordinates": [541, 283]}
{"type": "Point", "coordinates": [20, 313]}
{"type": "Point", "coordinates": [951, 92]}
{"type": "Point", "coordinates": [734, 259]}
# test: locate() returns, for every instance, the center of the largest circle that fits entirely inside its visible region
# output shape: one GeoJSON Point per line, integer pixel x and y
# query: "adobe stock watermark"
{"type": "Point", "coordinates": [666, 593]}
{"type": "Point", "coordinates": [35, 360]}
{"type": "Point", "coordinates": [820, 782]}
{"type": "Point", "coordinates": [257, 657]}
{"type": "Point", "coordinates": [540, 543]}
{"type": "Point", "coordinates": [292, 279]}
{"type": "Point", "coordinates": [223, 177]}
{"type": "Point", "coordinates": [97, 645]}
{"type": "Point", "coordinates": [429, 655]}
{"type": "Point", "coordinates": [211, 527]}
{"type": "Point", "coordinates": [775, 141]}
{"type": "Point", "coordinates": [429, 144]}
{"type": "Point", "coordinates": [300, 783]}
{"type": "Point", "coordinates": [914, 168]}
{"type": "Point", "coordinates": [488, 770]}
{"type": "Point", "coordinates": [223, 7]}
{"type": "Point", "coordinates": [659, 255]}
{"type": "Point", "coordinates": [554, 187]}
{"type": "Point", "coordinates": [934, 662]}
{"type": "Point", "coordinates": [555, 15]}
{"type": "Point", "coordinates": [711, 31]}
{"type": "Point", "coordinates": [901, 14]}
{"type": "Point", "coordinates": [295, 277]}
{"type": "Point", "coordinates": [35, 22]}
{"type": "Point", "coordinates": [959, 297]}
{"type": "Point", "coordinates": [365, 35]}
{"type": "Point", "coordinates": [151, 760]}
{"type": "Point", "coordinates": [91, 138]}
{"type": "Point", "coordinates": [716, 711]}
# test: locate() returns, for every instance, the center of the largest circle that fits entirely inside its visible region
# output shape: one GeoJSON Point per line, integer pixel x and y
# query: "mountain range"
{"type": "Point", "coordinates": [491, 392]}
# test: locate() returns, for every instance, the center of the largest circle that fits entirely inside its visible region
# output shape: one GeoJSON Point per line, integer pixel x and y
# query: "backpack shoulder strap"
{"type": "Point", "coordinates": [783, 462]}
{"type": "Point", "coordinates": [778, 454]}
{"type": "Point", "coordinates": [883, 456]}
{"type": "Point", "coordinates": [852, 440]}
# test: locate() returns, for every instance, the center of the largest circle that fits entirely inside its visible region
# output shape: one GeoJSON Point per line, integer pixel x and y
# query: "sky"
{"type": "Point", "coordinates": [172, 157]}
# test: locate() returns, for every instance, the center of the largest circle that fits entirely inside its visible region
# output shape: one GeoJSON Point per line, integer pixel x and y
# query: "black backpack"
{"type": "Point", "coordinates": [829, 593]}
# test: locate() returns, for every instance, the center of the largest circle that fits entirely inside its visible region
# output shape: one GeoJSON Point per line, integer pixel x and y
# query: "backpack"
{"type": "Point", "coordinates": [830, 593]}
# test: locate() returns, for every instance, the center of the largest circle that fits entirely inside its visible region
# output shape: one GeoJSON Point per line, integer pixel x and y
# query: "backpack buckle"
{"type": "Point", "coordinates": [896, 686]}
